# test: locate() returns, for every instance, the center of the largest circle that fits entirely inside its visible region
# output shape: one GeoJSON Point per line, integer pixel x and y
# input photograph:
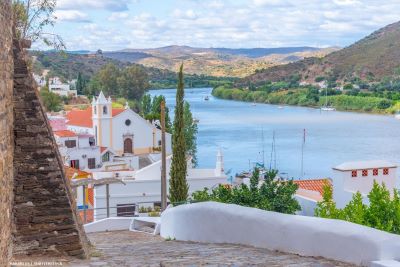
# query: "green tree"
{"type": "Point", "coordinates": [190, 130]}
{"type": "Point", "coordinates": [32, 17]}
{"type": "Point", "coordinates": [80, 84]}
{"type": "Point", "coordinates": [254, 180]}
{"type": "Point", "coordinates": [132, 82]}
{"type": "Point", "coordinates": [273, 194]}
{"type": "Point", "coordinates": [379, 214]}
{"type": "Point", "coordinates": [178, 187]}
{"type": "Point", "coordinates": [279, 194]}
{"type": "Point", "coordinates": [106, 80]}
{"type": "Point", "coordinates": [145, 105]}
{"type": "Point", "coordinates": [327, 207]}
{"type": "Point", "coordinates": [355, 210]}
{"type": "Point", "coordinates": [50, 100]}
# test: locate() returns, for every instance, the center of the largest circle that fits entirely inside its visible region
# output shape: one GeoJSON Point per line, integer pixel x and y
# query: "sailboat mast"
{"type": "Point", "coordinates": [274, 151]}
{"type": "Point", "coordinates": [263, 150]}
{"type": "Point", "coordinates": [302, 153]}
{"type": "Point", "coordinates": [326, 96]}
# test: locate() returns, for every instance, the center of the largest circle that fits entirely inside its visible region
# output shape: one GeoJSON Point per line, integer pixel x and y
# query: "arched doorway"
{"type": "Point", "coordinates": [128, 145]}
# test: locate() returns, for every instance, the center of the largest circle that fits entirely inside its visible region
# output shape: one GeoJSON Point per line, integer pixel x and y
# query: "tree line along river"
{"type": "Point", "coordinates": [243, 131]}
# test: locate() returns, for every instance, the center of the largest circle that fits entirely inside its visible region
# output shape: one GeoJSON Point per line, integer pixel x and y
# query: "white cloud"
{"type": "Point", "coordinates": [230, 23]}
{"type": "Point", "coordinates": [71, 15]}
{"type": "Point", "coordinates": [188, 14]}
{"type": "Point", "coordinates": [115, 16]}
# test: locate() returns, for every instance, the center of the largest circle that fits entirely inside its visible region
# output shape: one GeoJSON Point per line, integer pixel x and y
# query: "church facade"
{"type": "Point", "coordinates": [120, 129]}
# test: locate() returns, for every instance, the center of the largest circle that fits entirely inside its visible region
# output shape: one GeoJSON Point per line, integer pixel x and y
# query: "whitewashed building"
{"type": "Point", "coordinates": [63, 89]}
{"type": "Point", "coordinates": [120, 129]}
{"type": "Point", "coordinates": [143, 187]}
{"type": "Point", "coordinates": [350, 177]}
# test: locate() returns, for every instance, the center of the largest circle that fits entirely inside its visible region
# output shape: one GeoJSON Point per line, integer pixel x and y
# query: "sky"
{"type": "Point", "coordinates": [119, 24]}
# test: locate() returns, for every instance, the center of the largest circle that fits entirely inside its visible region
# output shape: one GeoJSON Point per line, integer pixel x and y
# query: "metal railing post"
{"type": "Point", "coordinates": [108, 199]}
{"type": "Point", "coordinates": [84, 203]}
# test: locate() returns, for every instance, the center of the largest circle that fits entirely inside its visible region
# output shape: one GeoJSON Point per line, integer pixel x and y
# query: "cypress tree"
{"type": "Point", "coordinates": [178, 187]}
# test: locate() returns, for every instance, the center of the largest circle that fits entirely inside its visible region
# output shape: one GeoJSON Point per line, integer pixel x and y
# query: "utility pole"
{"type": "Point", "coordinates": [163, 160]}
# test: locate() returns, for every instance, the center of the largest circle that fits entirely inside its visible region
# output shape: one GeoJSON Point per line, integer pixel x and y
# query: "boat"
{"type": "Point", "coordinates": [397, 116]}
{"type": "Point", "coordinates": [253, 104]}
{"type": "Point", "coordinates": [196, 120]}
{"type": "Point", "coordinates": [206, 98]}
{"type": "Point", "coordinates": [326, 107]}
{"type": "Point", "coordinates": [281, 107]}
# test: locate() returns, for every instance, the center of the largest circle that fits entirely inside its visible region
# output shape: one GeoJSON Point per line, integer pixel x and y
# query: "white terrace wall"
{"type": "Point", "coordinates": [308, 236]}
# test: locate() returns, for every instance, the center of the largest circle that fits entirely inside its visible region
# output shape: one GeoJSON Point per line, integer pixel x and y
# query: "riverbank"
{"type": "Point", "coordinates": [310, 98]}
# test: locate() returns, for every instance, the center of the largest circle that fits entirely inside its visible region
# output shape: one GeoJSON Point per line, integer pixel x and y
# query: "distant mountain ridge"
{"type": "Point", "coordinates": [215, 61]}
{"type": "Point", "coordinates": [372, 58]}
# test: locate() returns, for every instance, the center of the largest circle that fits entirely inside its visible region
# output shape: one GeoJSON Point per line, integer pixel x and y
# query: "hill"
{"type": "Point", "coordinates": [217, 62]}
{"type": "Point", "coordinates": [68, 65]}
{"type": "Point", "coordinates": [370, 59]}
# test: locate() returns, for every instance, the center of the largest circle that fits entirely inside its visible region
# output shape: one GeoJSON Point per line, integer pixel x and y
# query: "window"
{"type": "Point", "coordinates": [106, 157]}
{"type": "Point", "coordinates": [95, 110]}
{"type": "Point", "coordinates": [92, 142]}
{"type": "Point", "coordinates": [364, 172]}
{"type": "Point", "coordinates": [159, 142]}
{"type": "Point", "coordinates": [74, 163]}
{"type": "Point", "coordinates": [353, 173]}
{"type": "Point", "coordinates": [375, 172]}
{"type": "Point", "coordinates": [128, 122]}
{"type": "Point", "coordinates": [125, 210]}
{"type": "Point", "coordinates": [70, 143]}
{"type": "Point", "coordinates": [385, 171]}
{"type": "Point", "coordinates": [104, 110]}
{"type": "Point", "coordinates": [91, 163]}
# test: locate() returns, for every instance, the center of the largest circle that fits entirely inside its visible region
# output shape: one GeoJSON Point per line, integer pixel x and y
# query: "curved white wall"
{"type": "Point", "coordinates": [308, 236]}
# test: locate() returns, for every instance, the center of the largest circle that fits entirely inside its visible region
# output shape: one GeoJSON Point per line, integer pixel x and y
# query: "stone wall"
{"type": "Point", "coordinates": [45, 217]}
{"type": "Point", "coordinates": [6, 131]}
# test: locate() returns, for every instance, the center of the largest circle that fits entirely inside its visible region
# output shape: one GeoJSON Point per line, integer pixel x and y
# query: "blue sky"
{"type": "Point", "coordinates": [119, 24]}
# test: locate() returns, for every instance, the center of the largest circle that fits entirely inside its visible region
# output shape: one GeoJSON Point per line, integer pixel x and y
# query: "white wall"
{"type": "Point", "coordinates": [212, 222]}
{"type": "Point", "coordinates": [109, 224]}
{"type": "Point", "coordinates": [83, 154]}
{"type": "Point", "coordinates": [344, 185]}
{"type": "Point", "coordinates": [78, 129]}
{"type": "Point", "coordinates": [147, 191]}
{"type": "Point", "coordinates": [307, 205]}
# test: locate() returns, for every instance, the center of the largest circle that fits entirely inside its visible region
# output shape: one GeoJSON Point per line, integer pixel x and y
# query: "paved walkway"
{"type": "Point", "coordinates": [123, 248]}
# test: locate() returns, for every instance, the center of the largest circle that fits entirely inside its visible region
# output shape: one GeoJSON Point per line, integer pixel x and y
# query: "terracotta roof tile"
{"type": "Point", "coordinates": [313, 185]}
{"type": "Point", "coordinates": [83, 118]}
{"type": "Point", "coordinates": [65, 133]}
{"type": "Point", "coordinates": [117, 111]}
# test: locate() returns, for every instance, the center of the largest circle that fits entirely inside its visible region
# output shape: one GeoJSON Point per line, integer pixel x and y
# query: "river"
{"type": "Point", "coordinates": [331, 137]}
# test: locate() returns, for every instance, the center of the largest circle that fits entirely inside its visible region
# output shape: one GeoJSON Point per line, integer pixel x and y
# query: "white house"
{"type": "Point", "coordinates": [143, 187]}
{"type": "Point", "coordinates": [120, 129]}
{"type": "Point", "coordinates": [60, 88]}
{"type": "Point", "coordinates": [350, 177]}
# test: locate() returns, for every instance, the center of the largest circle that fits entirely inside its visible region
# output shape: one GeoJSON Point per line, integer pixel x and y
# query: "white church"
{"type": "Point", "coordinates": [118, 143]}
{"type": "Point", "coordinates": [120, 129]}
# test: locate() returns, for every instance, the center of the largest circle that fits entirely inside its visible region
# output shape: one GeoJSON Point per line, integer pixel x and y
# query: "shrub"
{"type": "Point", "coordinates": [273, 194]}
{"type": "Point", "coordinates": [383, 211]}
